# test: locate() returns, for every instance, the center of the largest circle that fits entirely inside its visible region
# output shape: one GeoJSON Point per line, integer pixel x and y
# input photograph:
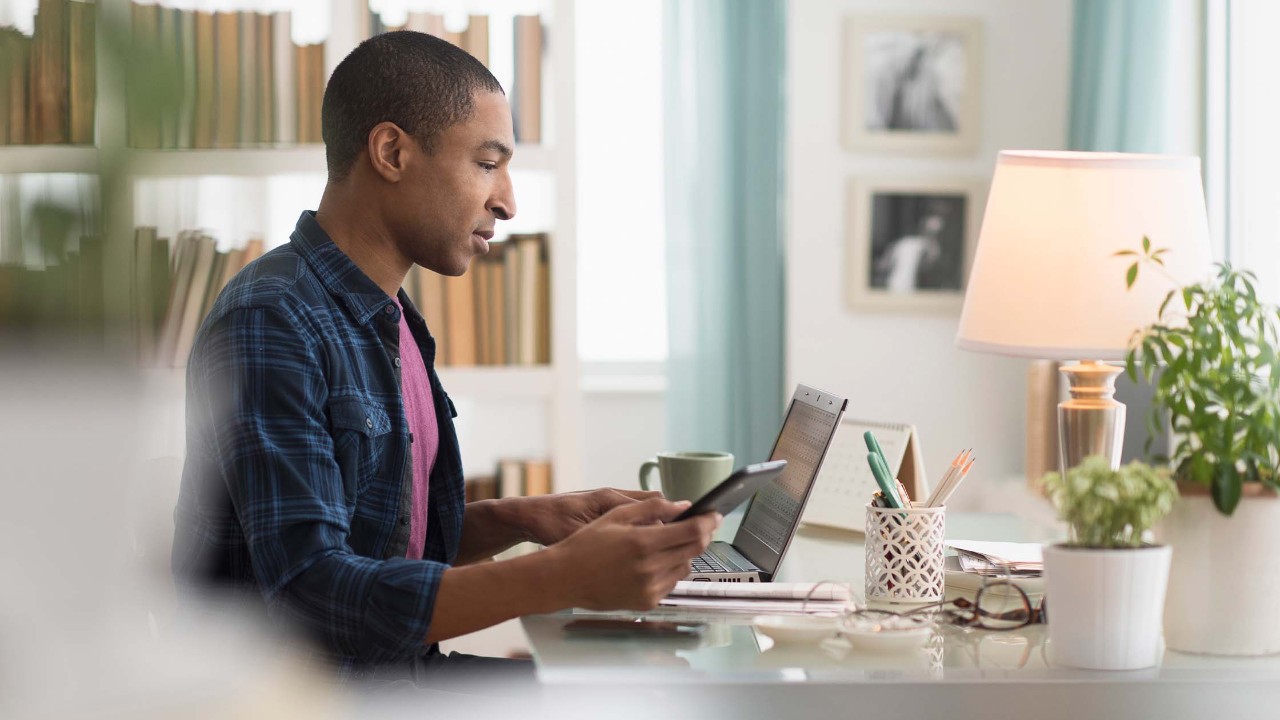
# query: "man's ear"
{"type": "Point", "coordinates": [386, 146]}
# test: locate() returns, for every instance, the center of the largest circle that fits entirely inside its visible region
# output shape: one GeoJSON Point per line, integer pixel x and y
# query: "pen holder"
{"type": "Point", "coordinates": [904, 552]}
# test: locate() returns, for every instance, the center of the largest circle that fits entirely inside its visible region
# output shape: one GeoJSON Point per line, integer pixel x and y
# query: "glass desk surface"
{"type": "Point", "coordinates": [732, 651]}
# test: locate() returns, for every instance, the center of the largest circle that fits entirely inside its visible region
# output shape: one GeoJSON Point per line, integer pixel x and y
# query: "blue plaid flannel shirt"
{"type": "Point", "coordinates": [297, 484]}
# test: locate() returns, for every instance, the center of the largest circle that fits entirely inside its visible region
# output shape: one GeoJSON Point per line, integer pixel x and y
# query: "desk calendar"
{"type": "Point", "coordinates": [845, 483]}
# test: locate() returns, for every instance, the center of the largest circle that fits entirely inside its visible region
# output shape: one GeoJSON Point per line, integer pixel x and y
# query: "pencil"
{"type": "Point", "coordinates": [946, 478]}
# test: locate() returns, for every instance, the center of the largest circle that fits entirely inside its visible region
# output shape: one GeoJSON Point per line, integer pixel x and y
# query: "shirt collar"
{"type": "Point", "coordinates": [336, 271]}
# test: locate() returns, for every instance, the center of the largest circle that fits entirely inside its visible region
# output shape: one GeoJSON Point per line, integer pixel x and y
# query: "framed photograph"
{"type": "Point", "coordinates": [911, 84]}
{"type": "Point", "coordinates": [910, 242]}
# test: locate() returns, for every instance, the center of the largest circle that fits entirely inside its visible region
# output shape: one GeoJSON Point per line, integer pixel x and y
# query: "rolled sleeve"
{"type": "Point", "coordinates": [257, 399]}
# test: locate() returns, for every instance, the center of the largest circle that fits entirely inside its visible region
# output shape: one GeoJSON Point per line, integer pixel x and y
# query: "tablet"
{"type": "Point", "coordinates": [735, 490]}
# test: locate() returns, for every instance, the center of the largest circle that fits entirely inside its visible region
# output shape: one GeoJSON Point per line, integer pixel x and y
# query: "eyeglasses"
{"type": "Point", "coordinates": [996, 605]}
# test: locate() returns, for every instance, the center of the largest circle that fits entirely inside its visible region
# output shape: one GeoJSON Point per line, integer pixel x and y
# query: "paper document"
{"type": "Point", "coordinates": [776, 591]}
{"type": "Point", "coordinates": [764, 606]}
{"type": "Point", "coordinates": [995, 558]}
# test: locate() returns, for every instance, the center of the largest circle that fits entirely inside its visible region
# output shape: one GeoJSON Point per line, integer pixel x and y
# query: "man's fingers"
{"type": "Point", "coordinates": [686, 532]}
{"type": "Point", "coordinates": [647, 512]}
{"type": "Point", "coordinates": [639, 494]}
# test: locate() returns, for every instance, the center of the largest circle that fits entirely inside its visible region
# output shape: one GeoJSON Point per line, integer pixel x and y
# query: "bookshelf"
{"type": "Point", "coordinates": [554, 387]}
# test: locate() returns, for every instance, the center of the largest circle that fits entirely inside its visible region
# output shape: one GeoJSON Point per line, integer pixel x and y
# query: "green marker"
{"type": "Point", "coordinates": [884, 479]}
{"type": "Point", "coordinates": [874, 446]}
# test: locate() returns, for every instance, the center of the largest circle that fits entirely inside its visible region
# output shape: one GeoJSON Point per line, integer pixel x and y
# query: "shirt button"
{"type": "Point", "coordinates": [391, 309]}
{"type": "Point", "coordinates": [368, 422]}
{"type": "Point", "coordinates": [397, 362]}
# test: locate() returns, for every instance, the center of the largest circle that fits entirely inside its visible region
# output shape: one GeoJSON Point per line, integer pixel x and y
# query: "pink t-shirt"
{"type": "Point", "coordinates": [419, 410]}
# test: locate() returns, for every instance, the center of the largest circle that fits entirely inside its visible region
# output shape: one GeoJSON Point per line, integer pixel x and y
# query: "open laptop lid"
{"type": "Point", "coordinates": [774, 513]}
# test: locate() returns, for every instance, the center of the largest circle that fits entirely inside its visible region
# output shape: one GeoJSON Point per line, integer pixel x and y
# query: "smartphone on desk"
{"type": "Point", "coordinates": [609, 628]}
{"type": "Point", "coordinates": [735, 490]}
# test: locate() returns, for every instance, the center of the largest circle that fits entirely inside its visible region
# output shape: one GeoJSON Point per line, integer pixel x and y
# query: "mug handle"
{"type": "Point", "coordinates": [650, 464]}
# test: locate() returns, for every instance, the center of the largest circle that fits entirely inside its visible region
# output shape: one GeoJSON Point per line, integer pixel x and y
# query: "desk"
{"type": "Point", "coordinates": [960, 673]}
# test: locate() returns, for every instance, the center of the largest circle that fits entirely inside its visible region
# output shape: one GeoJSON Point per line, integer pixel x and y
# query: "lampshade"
{"type": "Point", "coordinates": [1046, 282]}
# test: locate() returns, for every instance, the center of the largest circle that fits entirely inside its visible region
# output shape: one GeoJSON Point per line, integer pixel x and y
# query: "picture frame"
{"type": "Point", "coordinates": [912, 84]}
{"type": "Point", "coordinates": [910, 242]}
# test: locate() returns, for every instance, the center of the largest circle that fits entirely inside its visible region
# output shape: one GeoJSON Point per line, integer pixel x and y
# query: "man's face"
{"type": "Point", "coordinates": [452, 198]}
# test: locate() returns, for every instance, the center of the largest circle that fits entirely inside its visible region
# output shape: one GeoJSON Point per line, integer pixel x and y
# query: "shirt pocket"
{"type": "Point", "coordinates": [360, 441]}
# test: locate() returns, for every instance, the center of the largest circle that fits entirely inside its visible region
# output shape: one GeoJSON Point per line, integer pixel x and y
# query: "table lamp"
{"type": "Point", "coordinates": [1047, 283]}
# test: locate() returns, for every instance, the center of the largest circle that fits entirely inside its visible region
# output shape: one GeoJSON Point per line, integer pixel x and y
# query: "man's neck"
{"type": "Point", "coordinates": [369, 245]}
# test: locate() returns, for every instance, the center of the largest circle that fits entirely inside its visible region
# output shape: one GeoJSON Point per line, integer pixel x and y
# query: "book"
{"type": "Point", "coordinates": [220, 262]}
{"type": "Point", "coordinates": [186, 61]}
{"type": "Point", "coordinates": [429, 297]}
{"type": "Point", "coordinates": [227, 54]}
{"type": "Point", "coordinates": [247, 84]}
{"type": "Point", "coordinates": [284, 84]}
{"type": "Point", "coordinates": [510, 478]}
{"type": "Point", "coordinates": [144, 241]}
{"type": "Point", "coordinates": [526, 104]}
{"type": "Point", "coordinates": [184, 257]}
{"type": "Point", "coordinates": [143, 102]}
{"type": "Point", "coordinates": [496, 262]}
{"type": "Point", "coordinates": [475, 39]}
{"type": "Point", "coordinates": [528, 251]}
{"type": "Point", "coordinates": [15, 50]}
{"type": "Point", "coordinates": [510, 302]}
{"type": "Point", "coordinates": [542, 311]}
{"type": "Point", "coordinates": [48, 113]}
{"type": "Point", "coordinates": [480, 298]}
{"type": "Point", "coordinates": [481, 487]}
{"type": "Point", "coordinates": [460, 320]}
{"type": "Point", "coordinates": [206, 69]}
{"type": "Point", "coordinates": [83, 64]}
{"type": "Point", "coordinates": [264, 78]}
{"type": "Point", "coordinates": [193, 305]}
{"type": "Point", "coordinates": [537, 477]}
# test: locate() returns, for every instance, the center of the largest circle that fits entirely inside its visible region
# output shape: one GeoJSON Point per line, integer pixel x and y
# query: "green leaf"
{"type": "Point", "coordinates": [1146, 244]}
{"type": "Point", "coordinates": [1227, 488]}
{"type": "Point", "coordinates": [1131, 276]}
{"type": "Point", "coordinates": [1123, 253]}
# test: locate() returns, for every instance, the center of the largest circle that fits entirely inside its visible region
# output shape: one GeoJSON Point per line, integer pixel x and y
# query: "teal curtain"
{"type": "Point", "coordinates": [1126, 82]}
{"type": "Point", "coordinates": [724, 97]}
{"type": "Point", "coordinates": [1124, 76]}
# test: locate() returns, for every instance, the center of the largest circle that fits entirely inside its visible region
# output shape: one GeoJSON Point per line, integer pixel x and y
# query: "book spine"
{"type": "Point", "coordinates": [285, 87]}
{"type": "Point", "coordinates": [83, 72]}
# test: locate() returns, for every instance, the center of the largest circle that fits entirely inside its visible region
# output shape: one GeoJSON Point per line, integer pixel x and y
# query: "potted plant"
{"type": "Point", "coordinates": [1106, 585]}
{"type": "Point", "coordinates": [1216, 346]}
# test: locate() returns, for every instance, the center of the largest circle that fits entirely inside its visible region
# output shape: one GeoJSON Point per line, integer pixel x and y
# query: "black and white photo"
{"type": "Point", "coordinates": [909, 242]}
{"type": "Point", "coordinates": [911, 84]}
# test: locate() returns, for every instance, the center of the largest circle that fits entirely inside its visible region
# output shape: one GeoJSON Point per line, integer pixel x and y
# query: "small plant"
{"type": "Point", "coordinates": [1108, 508]}
{"type": "Point", "coordinates": [1218, 379]}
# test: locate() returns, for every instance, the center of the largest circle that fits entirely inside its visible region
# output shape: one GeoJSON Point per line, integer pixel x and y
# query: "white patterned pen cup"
{"type": "Point", "coordinates": [904, 552]}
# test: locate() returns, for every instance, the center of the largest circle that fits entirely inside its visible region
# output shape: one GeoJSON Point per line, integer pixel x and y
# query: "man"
{"type": "Point", "coordinates": [323, 472]}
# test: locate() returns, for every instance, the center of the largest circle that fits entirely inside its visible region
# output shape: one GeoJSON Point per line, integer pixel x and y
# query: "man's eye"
{"type": "Point", "coordinates": [488, 166]}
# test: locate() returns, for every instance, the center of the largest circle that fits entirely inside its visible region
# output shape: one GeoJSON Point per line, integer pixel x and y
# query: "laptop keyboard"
{"type": "Point", "coordinates": [708, 563]}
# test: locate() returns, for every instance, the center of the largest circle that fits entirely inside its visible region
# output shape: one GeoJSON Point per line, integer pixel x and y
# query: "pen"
{"type": "Point", "coordinates": [884, 479]}
{"type": "Point", "coordinates": [902, 493]}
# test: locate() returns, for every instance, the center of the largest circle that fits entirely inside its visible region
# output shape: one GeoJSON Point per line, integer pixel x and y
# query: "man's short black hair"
{"type": "Point", "coordinates": [417, 81]}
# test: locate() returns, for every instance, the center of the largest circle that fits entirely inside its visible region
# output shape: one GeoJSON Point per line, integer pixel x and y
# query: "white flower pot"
{"type": "Point", "coordinates": [1225, 580]}
{"type": "Point", "coordinates": [1105, 606]}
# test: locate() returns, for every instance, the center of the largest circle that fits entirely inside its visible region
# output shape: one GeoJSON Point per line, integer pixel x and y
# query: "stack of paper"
{"type": "Point", "coordinates": [760, 597]}
{"type": "Point", "coordinates": [998, 558]}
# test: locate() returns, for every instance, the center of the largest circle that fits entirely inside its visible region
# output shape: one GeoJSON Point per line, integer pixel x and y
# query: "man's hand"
{"type": "Point", "coordinates": [628, 559]}
{"type": "Point", "coordinates": [548, 519]}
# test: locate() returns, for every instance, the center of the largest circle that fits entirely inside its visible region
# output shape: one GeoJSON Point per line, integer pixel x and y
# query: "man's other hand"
{"type": "Point", "coordinates": [548, 519]}
{"type": "Point", "coordinates": [628, 559]}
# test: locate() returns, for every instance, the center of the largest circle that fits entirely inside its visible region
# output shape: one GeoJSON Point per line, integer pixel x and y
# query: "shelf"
{"type": "Point", "coordinates": [15, 159]}
{"type": "Point", "coordinates": [498, 382]}
{"type": "Point", "coordinates": [275, 161]}
{"type": "Point", "coordinates": [228, 161]}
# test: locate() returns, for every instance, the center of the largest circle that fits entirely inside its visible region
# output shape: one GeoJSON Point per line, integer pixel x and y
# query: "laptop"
{"type": "Point", "coordinates": [774, 512]}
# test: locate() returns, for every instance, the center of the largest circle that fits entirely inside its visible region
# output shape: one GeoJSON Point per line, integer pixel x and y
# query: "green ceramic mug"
{"type": "Point", "coordinates": [687, 475]}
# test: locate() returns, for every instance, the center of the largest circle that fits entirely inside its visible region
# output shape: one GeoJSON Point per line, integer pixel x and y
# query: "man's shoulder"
{"type": "Point", "coordinates": [279, 280]}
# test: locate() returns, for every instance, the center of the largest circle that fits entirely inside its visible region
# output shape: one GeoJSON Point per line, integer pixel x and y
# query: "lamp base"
{"type": "Point", "coordinates": [1091, 422]}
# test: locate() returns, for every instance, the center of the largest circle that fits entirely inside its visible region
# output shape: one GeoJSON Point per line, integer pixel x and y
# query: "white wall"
{"type": "Point", "coordinates": [899, 366]}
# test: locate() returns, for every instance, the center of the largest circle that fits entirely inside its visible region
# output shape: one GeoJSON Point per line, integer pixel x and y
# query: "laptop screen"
{"type": "Point", "coordinates": [775, 511]}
